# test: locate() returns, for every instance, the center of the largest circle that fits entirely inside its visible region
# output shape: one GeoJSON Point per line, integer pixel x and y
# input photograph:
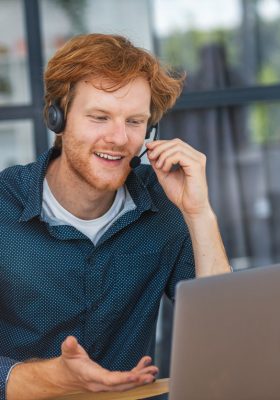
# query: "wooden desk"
{"type": "Point", "coordinates": [153, 389]}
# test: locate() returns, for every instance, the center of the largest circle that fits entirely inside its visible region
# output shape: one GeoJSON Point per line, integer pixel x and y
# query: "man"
{"type": "Point", "coordinates": [88, 246]}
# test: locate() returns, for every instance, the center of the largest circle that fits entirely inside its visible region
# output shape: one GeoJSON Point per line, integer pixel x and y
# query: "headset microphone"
{"type": "Point", "coordinates": [136, 161]}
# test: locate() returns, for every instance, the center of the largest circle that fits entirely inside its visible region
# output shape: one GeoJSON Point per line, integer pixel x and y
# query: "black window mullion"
{"type": "Point", "coordinates": [16, 112]}
{"type": "Point", "coordinates": [35, 59]}
{"type": "Point", "coordinates": [228, 97]}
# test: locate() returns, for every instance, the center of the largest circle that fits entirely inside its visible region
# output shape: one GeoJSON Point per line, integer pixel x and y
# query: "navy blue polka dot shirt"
{"type": "Point", "coordinates": [55, 282]}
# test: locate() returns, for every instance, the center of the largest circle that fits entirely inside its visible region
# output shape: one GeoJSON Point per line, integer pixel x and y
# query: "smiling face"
{"type": "Point", "coordinates": [104, 130]}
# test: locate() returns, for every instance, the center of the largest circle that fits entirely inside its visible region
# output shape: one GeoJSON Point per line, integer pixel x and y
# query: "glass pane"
{"type": "Point", "coordinates": [16, 143]}
{"type": "Point", "coordinates": [242, 145]}
{"type": "Point", "coordinates": [14, 81]}
{"type": "Point", "coordinates": [62, 19]}
{"type": "Point", "coordinates": [220, 43]}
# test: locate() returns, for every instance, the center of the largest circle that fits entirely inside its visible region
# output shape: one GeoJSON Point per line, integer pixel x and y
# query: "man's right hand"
{"type": "Point", "coordinates": [84, 374]}
{"type": "Point", "coordinates": [71, 372]}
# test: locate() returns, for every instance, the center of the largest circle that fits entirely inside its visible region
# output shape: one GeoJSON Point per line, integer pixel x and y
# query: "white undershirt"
{"type": "Point", "coordinates": [55, 214]}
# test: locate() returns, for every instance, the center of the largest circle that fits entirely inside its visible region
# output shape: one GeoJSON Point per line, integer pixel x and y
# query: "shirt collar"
{"type": "Point", "coordinates": [33, 205]}
{"type": "Point", "coordinates": [138, 190]}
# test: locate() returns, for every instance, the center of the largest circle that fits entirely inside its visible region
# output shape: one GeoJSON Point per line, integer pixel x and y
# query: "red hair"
{"type": "Point", "coordinates": [114, 58]}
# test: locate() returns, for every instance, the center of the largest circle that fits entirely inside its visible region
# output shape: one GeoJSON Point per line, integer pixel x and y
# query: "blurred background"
{"type": "Point", "coordinates": [229, 108]}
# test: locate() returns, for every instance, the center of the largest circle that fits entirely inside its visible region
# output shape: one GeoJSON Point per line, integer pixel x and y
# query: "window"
{"type": "Point", "coordinates": [16, 143]}
{"type": "Point", "coordinates": [14, 79]}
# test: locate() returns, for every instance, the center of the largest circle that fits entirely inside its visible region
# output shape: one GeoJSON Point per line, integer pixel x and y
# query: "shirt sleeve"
{"type": "Point", "coordinates": [6, 365]}
{"type": "Point", "coordinates": [184, 268]}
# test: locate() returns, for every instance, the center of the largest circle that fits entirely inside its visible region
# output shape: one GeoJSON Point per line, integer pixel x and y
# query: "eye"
{"type": "Point", "coordinates": [98, 118]}
{"type": "Point", "coordinates": [135, 122]}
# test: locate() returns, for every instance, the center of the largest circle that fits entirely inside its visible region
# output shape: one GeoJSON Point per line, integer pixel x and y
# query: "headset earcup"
{"type": "Point", "coordinates": [55, 118]}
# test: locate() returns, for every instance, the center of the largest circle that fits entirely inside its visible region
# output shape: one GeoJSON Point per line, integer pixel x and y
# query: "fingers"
{"type": "Point", "coordinates": [104, 380]}
{"type": "Point", "coordinates": [120, 381]}
{"type": "Point", "coordinates": [144, 366]}
{"type": "Point", "coordinates": [143, 373]}
{"type": "Point", "coordinates": [151, 370]}
{"type": "Point", "coordinates": [117, 378]}
{"type": "Point", "coordinates": [165, 153]}
{"type": "Point", "coordinates": [144, 362]}
{"type": "Point", "coordinates": [159, 145]}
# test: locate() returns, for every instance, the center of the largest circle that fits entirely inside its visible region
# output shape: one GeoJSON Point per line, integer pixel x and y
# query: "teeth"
{"type": "Point", "coordinates": [107, 156]}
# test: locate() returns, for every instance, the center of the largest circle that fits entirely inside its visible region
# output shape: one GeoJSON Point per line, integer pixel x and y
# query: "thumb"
{"type": "Point", "coordinates": [70, 348]}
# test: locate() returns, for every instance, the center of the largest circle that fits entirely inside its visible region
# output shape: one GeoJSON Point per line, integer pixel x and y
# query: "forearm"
{"type": "Point", "coordinates": [35, 380]}
{"type": "Point", "coordinates": [209, 252]}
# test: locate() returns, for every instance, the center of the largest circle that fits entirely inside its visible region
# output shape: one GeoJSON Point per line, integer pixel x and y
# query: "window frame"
{"type": "Point", "coordinates": [34, 110]}
{"type": "Point", "coordinates": [188, 100]}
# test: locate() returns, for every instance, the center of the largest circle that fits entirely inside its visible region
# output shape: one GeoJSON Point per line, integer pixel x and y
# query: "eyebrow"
{"type": "Point", "coordinates": [89, 110]}
{"type": "Point", "coordinates": [145, 115]}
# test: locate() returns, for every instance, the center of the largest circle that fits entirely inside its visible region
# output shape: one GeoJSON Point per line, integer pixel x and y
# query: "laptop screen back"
{"type": "Point", "coordinates": [226, 337]}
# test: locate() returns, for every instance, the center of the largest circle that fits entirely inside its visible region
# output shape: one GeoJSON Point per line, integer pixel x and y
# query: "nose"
{"type": "Point", "coordinates": [117, 134]}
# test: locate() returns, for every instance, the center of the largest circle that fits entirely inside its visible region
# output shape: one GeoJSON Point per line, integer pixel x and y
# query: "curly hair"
{"type": "Point", "coordinates": [114, 58]}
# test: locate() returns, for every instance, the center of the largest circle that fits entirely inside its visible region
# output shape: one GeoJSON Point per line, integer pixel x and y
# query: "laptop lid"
{"type": "Point", "coordinates": [226, 337]}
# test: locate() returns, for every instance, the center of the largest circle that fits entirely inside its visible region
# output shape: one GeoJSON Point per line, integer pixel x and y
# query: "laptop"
{"type": "Point", "coordinates": [226, 337]}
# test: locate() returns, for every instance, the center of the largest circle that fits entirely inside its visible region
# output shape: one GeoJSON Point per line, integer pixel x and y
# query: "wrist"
{"type": "Point", "coordinates": [36, 380]}
{"type": "Point", "coordinates": [205, 214]}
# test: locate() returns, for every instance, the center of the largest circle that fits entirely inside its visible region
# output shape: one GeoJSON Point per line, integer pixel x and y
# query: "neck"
{"type": "Point", "coordinates": [76, 196]}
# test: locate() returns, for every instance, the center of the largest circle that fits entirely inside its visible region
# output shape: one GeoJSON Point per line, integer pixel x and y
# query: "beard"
{"type": "Point", "coordinates": [84, 167]}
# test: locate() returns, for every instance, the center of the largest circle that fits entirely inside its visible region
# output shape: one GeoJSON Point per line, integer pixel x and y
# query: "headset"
{"type": "Point", "coordinates": [136, 160]}
{"type": "Point", "coordinates": [55, 118]}
{"type": "Point", "coordinates": [56, 123]}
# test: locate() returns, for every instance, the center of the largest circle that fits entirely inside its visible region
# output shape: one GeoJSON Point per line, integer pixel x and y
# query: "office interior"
{"type": "Point", "coordinates": [229, 107]}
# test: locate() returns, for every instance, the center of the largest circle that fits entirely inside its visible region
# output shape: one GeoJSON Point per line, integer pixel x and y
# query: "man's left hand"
{"type": "Point", "coordinates": [186, 186]}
